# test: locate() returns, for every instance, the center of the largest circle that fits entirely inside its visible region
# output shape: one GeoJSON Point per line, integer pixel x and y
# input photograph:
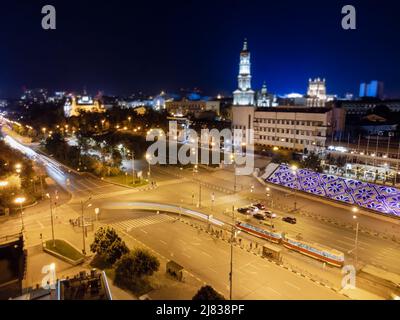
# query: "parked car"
{"type": "Point", "coordinates": [244, 210]}
{"type": "Point", "coordinates": [290, 220]}
{"type": "Point", "coordinates": [254, 209]}
{"type": "Point", "coordinates": [259, 216]}
{"type": "Point", "coordinates": [259, 206]}
{"type": "Point", "coordinates": [269, 214]}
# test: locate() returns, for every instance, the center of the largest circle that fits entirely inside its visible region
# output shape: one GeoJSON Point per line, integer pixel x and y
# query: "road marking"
{"type": "Point", "coordinates": [163, 242]}
{"type": "Point", "coordinates": [206, 254]}
{"type": "Point", "coordinates": [40, 224]}
{"type": "Point", "coordinates": [145, 232]}
{"type": "Point", "coordinates": [186, 255]}
{"type": "Point", "coordinates": [292, 285]}
{"type": "Point", "coordinates": [141, 222]}
{"type": "Point", "coordinates": [276, 292]}
{"type": "Point", "coordinates": [213, 270]}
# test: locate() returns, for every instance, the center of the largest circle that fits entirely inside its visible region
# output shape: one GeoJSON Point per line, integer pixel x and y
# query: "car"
{"type": "Point", "coordinates": [269, 214]}
{"type": "Point", "coordinates": [253, 209]}
{"type": "Point", "coordinates": [290, 220]}
{"type": "Point", "coordinates": [244, 210]}
{"type": "Point", "coordinates": [259, 216]}
{"type": "Point", "coordinates": [259, 206]}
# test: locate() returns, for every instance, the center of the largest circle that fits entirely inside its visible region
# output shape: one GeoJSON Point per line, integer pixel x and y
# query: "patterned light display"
{"type": "Point", "coordinates": [383, 199]}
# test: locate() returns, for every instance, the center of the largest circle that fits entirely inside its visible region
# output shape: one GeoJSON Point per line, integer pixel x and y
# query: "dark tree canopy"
{"type": "Point", "coordinates": [208, 293]}
{"type": "Point", "coordinates": [108, 245]}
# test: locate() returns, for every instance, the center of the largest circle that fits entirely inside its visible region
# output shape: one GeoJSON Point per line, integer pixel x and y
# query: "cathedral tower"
{"type": "Point", "coordinates": [244, 96]}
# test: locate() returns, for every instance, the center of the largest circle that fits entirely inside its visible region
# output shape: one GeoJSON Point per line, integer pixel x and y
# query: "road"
{"type": "Point", "coordinates": [209, 259]}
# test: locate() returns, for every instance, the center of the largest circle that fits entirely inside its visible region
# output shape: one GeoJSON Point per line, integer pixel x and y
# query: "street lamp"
{"type": "Point", "coordinates": [234, 172]}
{"type": "Point", "coordinates": [20, 201]}
{"type": "Point", "coordinates": [356, 241]}
{"type": "Point", "coordinates": [52, 220]}
{"type": "Point", "coordinates": [3, 184]}
{"type": "Point", "coordinates": [294, 169]}
{"type": "Point", "coordinates": [149, 158]}
{"type": "Point", "coordinates": [234, 233]}
{"type": "Point", "coordinates": [83, 204]}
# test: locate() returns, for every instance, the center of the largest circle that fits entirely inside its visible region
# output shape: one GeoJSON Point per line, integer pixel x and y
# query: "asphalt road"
{"type": "Point", "coordinates": [209, 259]}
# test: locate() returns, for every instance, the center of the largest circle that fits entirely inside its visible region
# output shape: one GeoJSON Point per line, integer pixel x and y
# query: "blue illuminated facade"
{"type": "Point", "coordinates": [382, 199]}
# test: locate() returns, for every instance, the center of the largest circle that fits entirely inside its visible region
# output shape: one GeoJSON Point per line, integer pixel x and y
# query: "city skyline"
{"type": "Point", "coordinates": [118, 56]}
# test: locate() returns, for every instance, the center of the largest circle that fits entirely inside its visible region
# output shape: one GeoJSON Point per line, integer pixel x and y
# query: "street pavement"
{"type": "Point", "coordinates": [209, 259]}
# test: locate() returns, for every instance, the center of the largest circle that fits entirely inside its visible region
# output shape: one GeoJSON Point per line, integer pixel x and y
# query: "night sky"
{"type": "Point", "coordinates": [120, 47]}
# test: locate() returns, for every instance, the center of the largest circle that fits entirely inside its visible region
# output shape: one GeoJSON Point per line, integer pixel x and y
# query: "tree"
{"type": "Point", "coordinates": [208, 293]}
{"type": "Point", "coordinates": [108, 245]}
{"type": "Point", "coordinates": [312, 162]}
{"type": "Point", "coordinates": [135, 266]}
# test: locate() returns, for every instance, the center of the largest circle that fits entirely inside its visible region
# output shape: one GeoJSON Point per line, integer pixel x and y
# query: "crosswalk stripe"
{"type": "Point", "coordinates": [140, 222]}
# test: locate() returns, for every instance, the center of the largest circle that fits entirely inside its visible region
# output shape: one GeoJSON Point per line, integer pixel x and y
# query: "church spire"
{"type": "Point", "coordinates": [245, 45]}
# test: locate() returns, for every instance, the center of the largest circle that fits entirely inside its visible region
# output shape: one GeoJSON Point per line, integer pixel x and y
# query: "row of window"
{"type": "Point", "coordinates": [291, 122]}
{"type": "Point", "coordinates": [308, 133]}
{"type": "Point", "coordinates": [292, 140]}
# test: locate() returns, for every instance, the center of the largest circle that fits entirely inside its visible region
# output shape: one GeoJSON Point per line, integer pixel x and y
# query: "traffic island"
{"type": "Point", "coordinates": [65, 251]}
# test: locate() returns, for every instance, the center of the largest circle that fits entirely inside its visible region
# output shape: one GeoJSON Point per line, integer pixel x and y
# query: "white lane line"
{"type": "Point", "coordinates": [40, 224]}
{"type": "Point", "coordinates": [292, 285]}
{"type": "Point", "coordinates": [212, 270]}
{"type": "Point", "coordinates": [145, 232]}
{"type": "Point", "coordinates": [206, 254]}
{"type": "Point", "coordinates": [163, 242]}
{"type": "Point", "coordinates": [186, 255]}
{"type": "Point", "coordinates": [274, 291]}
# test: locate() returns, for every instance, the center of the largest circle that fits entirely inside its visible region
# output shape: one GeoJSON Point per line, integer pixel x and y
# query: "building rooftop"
{"type": "Point", "coordinates": [85, 286]}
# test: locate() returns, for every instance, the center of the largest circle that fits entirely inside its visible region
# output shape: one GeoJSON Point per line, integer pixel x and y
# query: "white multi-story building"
{"type": "Point", "coordinates": [300, 129]}
{"type": "Point", "coordinates": [244, 95]}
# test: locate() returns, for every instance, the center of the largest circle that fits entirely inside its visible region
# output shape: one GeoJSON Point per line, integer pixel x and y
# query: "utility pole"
{"type": "Point", "coordinates": [231, 264]}
{"type": "Point", "coordinates": [133, 168]}
{"type": "Point", "coordinates": [357, 244]}
{"type": "Point", "coordinates": [83, 224]}
{"type": "Point", "coordinates": [199, 195]}
{"type": "Point", "coordinates": [83, 230]}
{"type": "Point", "coordinates": [52, 219]}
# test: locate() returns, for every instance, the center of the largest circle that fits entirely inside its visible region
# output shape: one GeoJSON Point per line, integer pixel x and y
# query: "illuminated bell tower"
{"type": "Point", "coordinates": [244, 96]}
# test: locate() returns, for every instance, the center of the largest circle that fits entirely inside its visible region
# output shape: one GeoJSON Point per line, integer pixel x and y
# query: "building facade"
{"type": "Point", "coordinates": [374, 89]}
{"type": "Point", "coordinates": [265, 99]}
{"type": "Point", "coordinates": [75, 105]}
{"type": "Point", "coordinates": [244, 95]}
{"type": "Point", "coordinates": [361, 107]}
{"type": "Point", "coordinates": [185, 107]}
{"type": "Point", "coordinates": [299, 129]}
{"type": "Point", "coordinates": [316, 93]}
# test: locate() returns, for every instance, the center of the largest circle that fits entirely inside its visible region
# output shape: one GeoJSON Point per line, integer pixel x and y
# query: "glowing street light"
{"type": "Point", "coordinates": [3, 184]}
{"type": "Point", "coordinates": [20, 201]}
{"type": "Point", "coordinates": [51, 215]}
{"type": "Point", "coordinates": [149, 158]}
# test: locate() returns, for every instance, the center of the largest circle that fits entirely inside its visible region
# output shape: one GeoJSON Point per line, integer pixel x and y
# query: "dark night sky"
{"type": "Point", "coordinates": [123, 46]}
